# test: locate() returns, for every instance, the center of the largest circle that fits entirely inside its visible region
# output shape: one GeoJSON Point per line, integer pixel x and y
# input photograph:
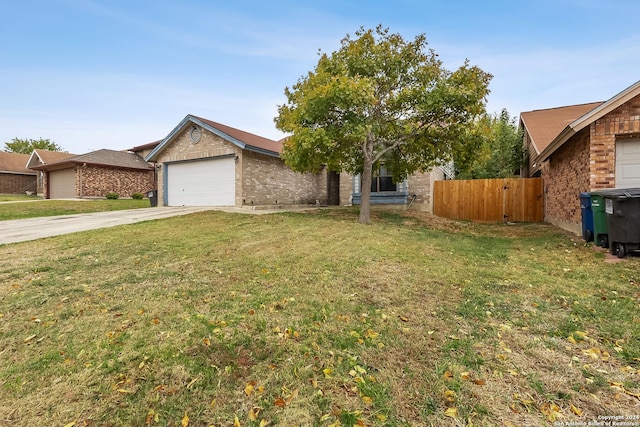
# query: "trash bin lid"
{"type": "Point", "coordinates": [619, 193]}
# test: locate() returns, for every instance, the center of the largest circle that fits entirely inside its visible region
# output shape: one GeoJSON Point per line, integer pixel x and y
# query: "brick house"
{"type": "Point", "coordinates": [95, 174]}
{"type": "Point", "coordinates": [583, 148]}
{"type": "Point", "coordinates": [15, 177]}
{"type": "Point", "coordinates": [204, 163]}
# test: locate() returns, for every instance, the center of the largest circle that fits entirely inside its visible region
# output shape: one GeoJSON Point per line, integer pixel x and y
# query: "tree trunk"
{"type": "Point", "coordinates": [365, 193]}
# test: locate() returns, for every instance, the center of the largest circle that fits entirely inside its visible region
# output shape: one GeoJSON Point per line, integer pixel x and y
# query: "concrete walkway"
{"type": "Point", "coordinates": [21, 230]}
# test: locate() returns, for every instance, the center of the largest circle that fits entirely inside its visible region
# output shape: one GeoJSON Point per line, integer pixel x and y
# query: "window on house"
{"type": "Point", "coordinates": [382, 181]}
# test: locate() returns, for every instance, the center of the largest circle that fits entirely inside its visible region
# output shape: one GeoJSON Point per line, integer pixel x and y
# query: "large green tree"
{"type": "Point", "coordinates": [381, 99]}
{"type": "Point", "coordinates": [26, 146]}
{"type": "Point", "coordinates": [501, 153]}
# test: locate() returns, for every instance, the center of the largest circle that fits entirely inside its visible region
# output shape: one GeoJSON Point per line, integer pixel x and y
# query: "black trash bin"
{"type": "Point", "coordinates": [587, 217]}
{"type": "Point", "coordinates": [153, 198]}
{"type": "Point", "coordinates": [622, 207]}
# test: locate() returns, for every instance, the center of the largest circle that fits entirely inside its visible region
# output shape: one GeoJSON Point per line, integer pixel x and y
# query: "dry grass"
{"type": "Point", "coordinates": [313, 319]}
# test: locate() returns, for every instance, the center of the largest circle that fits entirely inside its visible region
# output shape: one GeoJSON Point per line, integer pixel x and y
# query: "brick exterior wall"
{"type": "Point", "coordinates": [11, 183]}
{"type": "Point", "coordinates": [421, 184]}
{"type": "Point", "coordinates": [566, 175]}
{"type": "Point", "coordinates": [268, 181]}
{"type": "Point", "coordinates": [97, 181]}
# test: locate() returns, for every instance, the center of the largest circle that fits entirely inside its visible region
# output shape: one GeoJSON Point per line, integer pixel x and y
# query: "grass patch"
{"type": "Point", "coordinates": [313, 319]}
{"type": "Point", "coordinates": [18, 198]}
{"type": "Point", "coordinates": [43, 208]}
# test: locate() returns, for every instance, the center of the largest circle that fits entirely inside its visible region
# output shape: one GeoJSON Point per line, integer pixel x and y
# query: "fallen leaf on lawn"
{"type": "Point", "coordinates": [576, 410]}
{"type": "Point", "coordinates": [280, 402]}
{"type": "Point", "coordinates": [367, 401]}
{"type": "Point", "coordinates": [236, 421]}
{"type": "Point", "coordinates": [29, 338]}
{"type": "Point", "coordinates": [479, 382]}
{"type": "Point", "coordinates": [327, 372]}
{"type": "Point", "coordinates": [551, 411]}
{"type": "Point", "coordinates": [71, 424]}
{"type": "Point", "coordinates": [451, 412]}
{"type": "Point", "coordinates": [206, 341]}
{"type": "Point", "coordinates": [513, 373]}
{"type": "Point", "coordinates": [155, 321]}
{"type": "Point", "coordinates": [448, 374]}
{"type": "Point", "coordinates": [294, 394]}
{"type": "Point", "coordinates": [248, 389]}
{"type": "Point", "coordinates": [150, 417]}
{"type": "Point", "coordinates": [403, 318]}
{"type": "Point", "coordinates": [372, 333]}
{"type": "Point", "coordinates": [465, 376]}
{"type": "Point", "coordinates": [264, 423]}
{"type": "Point", "coordinates": [593, 353]}
{"type": "Point", "coordinates": [381, 417]}
{"type": "Point", "coordinates": [185, 420]}
{"type": "Point", "coordinates": [253, 414]}
{"type": "Point", "coordinates": [571, 339]}
{"type": "Point", "coordinates": [123, 391]}
{"type": "Point", "coordinates": [450, 396]}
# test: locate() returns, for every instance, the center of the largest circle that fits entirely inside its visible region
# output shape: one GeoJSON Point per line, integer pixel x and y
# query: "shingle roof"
{"type": "Point", "coordinates": [148, 146]}
{"type": "Point", "coordinates": [104, 157]}
{"type": "Point", "coordinates": [543, 126]}
{"type": "Point", "coordinates": [14, 163]}
{"type": "Point", "coordinates": [246, 137]}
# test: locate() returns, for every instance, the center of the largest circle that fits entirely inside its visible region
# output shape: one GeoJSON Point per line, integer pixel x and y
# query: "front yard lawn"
{"type": "Point", "coordinates": [313, 319]}
{"type": "Point", "coordinates": [38, 208]}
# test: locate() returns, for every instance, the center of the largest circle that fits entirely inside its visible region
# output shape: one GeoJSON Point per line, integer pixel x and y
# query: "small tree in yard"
{"type": "Point", "coordinates": [501, 155]}
{"type": "Point", "coordinates": [26, 146]}
{"type": "Point", "coordinates": [381, 99]}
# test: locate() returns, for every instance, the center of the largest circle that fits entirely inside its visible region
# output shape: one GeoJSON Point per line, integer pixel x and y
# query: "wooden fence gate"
{"type": "Point", "coordinates": [491, 200]}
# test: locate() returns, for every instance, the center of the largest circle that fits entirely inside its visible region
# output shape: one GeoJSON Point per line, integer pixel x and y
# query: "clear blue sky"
{"type": "Point", "coordinates": [92, 74]}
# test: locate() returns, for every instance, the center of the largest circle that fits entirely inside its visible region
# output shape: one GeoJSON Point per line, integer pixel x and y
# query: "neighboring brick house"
{"type": "Point", "coordinates": [583, 148]}
{"type": "Point", "coordinates": [15, 178]}
{"type": "Point", "coordinates": [95, 174]}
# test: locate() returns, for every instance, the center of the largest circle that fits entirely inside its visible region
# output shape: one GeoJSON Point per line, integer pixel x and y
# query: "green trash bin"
{"type": "Point", "coordinates": [600, 231]}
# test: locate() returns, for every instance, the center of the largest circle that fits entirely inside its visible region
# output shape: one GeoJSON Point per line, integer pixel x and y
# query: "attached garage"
{"type": "Point", "coordinates": [62, 184]}
{"type": "Point", "coordinates": [205, 182]}
{"type": "Point", "coordinates": [628, 163]}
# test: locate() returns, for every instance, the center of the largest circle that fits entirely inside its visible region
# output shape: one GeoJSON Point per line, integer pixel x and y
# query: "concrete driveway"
{"type": "Point", "coordinates": [20, 230]}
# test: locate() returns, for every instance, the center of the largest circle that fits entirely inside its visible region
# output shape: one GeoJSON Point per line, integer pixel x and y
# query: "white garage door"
{"type": "Point", "coordinates": [62, 184]}
{"type": "Point", "coordinates": [208, 182]}
{"type": "Point", "coordinates": [628, 163]}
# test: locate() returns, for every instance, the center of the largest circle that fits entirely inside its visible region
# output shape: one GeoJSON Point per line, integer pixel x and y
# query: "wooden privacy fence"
{"type": "Point", "coordinates": [491, 200]}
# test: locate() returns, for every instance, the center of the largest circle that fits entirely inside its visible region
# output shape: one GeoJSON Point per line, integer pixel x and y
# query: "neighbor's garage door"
{"type": "Point", "coordinates": [62, 184]}
{"type": "Point", "coordinates": [628, 163]}
{"type": "Point", "coordinates": [208, 182]}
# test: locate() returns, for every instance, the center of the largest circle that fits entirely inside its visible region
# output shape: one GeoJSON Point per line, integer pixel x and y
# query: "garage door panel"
{"type": "Point", "coordinates": [628, 163]}
{"type": "Point", "coordinates": [209, 182]}
{"type": "Point", "coordinates": [62, 184]}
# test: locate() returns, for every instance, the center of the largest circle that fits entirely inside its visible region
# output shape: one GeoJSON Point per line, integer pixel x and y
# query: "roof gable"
{"type": "Point", "coordinates": [14, 163]}
{"type": "Point", "coordinates": [589, 117]}
{"type": "Point", "coordinates": [242, 139]}
{"type": "Point", "coordinates": [42, 157]}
